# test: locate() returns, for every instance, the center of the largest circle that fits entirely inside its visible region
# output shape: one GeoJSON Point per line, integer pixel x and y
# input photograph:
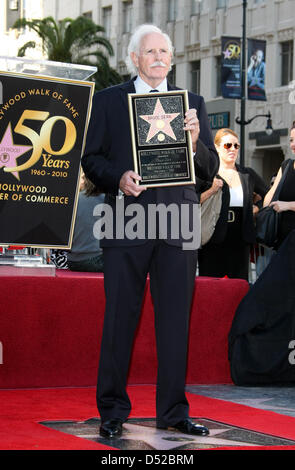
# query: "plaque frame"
{"type": "Point", "coordinates": [179, 146]}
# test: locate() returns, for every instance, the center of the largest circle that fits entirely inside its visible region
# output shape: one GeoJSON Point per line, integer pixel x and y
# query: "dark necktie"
{"type": "Point", "coordinates": [153, 91]}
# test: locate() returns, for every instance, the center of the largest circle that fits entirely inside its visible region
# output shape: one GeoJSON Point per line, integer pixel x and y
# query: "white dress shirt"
{"type": "Point", "coordinates": [142, 87]}
{"type": "Point", "coordinates": [236, 196]}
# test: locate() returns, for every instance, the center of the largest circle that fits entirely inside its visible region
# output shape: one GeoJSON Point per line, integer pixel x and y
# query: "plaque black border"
{"type": "Point", "coordinates": [136, 148]}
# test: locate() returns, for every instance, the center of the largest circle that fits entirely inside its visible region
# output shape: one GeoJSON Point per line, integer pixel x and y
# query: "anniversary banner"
{"type": "Point", "coordinates": [231, 86]}
{"type": "Point", "coordinates": [43, 123]}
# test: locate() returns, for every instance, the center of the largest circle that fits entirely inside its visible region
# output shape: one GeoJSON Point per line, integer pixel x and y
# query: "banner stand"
{"type": "Point", "coordinates": [44, 113]}
{"type": "Point", "coordinates": [46, 68]}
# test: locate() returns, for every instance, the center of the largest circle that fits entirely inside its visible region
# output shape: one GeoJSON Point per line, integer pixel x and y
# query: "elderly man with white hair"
{"type": "Point", "coordinates": [108, 163]}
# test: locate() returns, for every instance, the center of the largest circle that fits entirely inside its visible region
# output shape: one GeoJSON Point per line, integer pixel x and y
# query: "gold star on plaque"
{"type": "Point", "coordinates": [160, 122]}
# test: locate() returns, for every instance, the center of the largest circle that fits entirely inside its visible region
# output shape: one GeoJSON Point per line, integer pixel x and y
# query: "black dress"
{"type": "Point", "coordinates": [287, 218]}
{"type": "Point", "coordinates": [261, 339]}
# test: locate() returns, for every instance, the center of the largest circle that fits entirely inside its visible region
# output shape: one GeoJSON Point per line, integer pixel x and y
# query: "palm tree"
{"type": "Point", "coordinates": [76, 41]}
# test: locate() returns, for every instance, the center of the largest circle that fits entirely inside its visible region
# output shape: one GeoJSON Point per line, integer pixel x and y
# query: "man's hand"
{"type": "Point", "coordinates": [128, 185]}
{"type": "Point", "coordinates": [192, 124]}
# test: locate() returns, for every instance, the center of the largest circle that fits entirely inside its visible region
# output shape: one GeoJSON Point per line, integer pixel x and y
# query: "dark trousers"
{"type": "Point", "coordinates": [229, 258]}
{"type": "Point", "coordinates": [172, 278]}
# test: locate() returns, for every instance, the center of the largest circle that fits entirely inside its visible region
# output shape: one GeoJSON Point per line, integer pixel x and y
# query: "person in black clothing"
{"type": "Point", "coordinates": [261, 338]}
{"type": "Point", "coordinates": [108, 163]}
{"type": "Point", "coordinates": [227, 252]}
{"type": "Point", "coordinates": [286, 204]}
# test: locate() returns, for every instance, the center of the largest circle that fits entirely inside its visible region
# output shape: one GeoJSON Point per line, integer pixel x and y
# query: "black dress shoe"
{"type": "Point", "coordinates": [187, 426]}
{"type": "Point", "coordinates": [111, 428]}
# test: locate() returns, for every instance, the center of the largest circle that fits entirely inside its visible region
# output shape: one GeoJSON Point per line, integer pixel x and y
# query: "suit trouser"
{"type": "Point", "coordinates": [172, 278]}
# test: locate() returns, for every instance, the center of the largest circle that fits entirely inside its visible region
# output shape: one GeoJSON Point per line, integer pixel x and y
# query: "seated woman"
{"type": "Point", "coordinates": [227, 252]}
{"type": "Point", "coordinates": [86, 254]}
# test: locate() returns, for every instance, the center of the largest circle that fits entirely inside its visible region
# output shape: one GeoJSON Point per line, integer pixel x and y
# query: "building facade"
{"type": "Point", "coordinates": [196, 28]}
{"type": "Point", "coordinates": [10, 39]}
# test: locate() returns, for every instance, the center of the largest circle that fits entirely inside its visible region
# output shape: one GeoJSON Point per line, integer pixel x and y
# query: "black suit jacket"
{"type": "Point", "coordinates": [108, 154]}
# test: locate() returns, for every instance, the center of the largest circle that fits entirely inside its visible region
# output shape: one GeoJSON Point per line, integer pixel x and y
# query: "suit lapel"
{"type": "Point", "coordinates": [244, 177]}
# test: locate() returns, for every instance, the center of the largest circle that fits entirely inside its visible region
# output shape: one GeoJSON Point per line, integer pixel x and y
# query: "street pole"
{"type": "Point", "coordinates": [243, 79]}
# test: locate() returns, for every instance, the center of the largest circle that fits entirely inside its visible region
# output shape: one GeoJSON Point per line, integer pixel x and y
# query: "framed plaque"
{"type": "Point", "coordinates": [162, 150]}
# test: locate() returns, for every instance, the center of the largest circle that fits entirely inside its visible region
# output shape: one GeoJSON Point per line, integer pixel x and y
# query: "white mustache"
{"type": "Point", "coordinates": [158, 63]}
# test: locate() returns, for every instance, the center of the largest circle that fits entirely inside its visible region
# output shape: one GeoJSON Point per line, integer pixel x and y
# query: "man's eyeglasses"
{"type": "Point", "coordinates": [229, 145]}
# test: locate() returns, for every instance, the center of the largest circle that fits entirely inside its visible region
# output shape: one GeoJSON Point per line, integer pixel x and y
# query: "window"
{"type": "Point", "coordinates": [172, 10]}
{"type": "Point", "coordinates": [149, 11]}
{"type": "Point", "coordinates": [221, 4]}
{"type": "Point", "coordinates": [13, 4]}
{"type": "Point", "coordinates": [287, 62]}
{"type": "Point", "coordinates": [196, 7]}
{"type": "Point", "coordinates": [127, 16]}
{"type": "Point", "coordinates": [13, 12]}
{"type": "Point", "coordinates": [218, 75]}
{"type": "Point", "coordinates": [172, 75]}
{"type": "Point", "coordinates": [107, 21]}
{"type": "Point", "coordinates": [196, 76]}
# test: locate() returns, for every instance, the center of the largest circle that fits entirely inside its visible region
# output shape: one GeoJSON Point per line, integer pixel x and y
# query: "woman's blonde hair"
{"type": "Point", "coordinates": [221, 133]}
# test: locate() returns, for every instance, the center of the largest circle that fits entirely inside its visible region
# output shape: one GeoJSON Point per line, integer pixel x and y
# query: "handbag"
{"type": "Point", "coordinates": [267, 219]}
{"type": "Point", "coordinates": [210, 211]}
